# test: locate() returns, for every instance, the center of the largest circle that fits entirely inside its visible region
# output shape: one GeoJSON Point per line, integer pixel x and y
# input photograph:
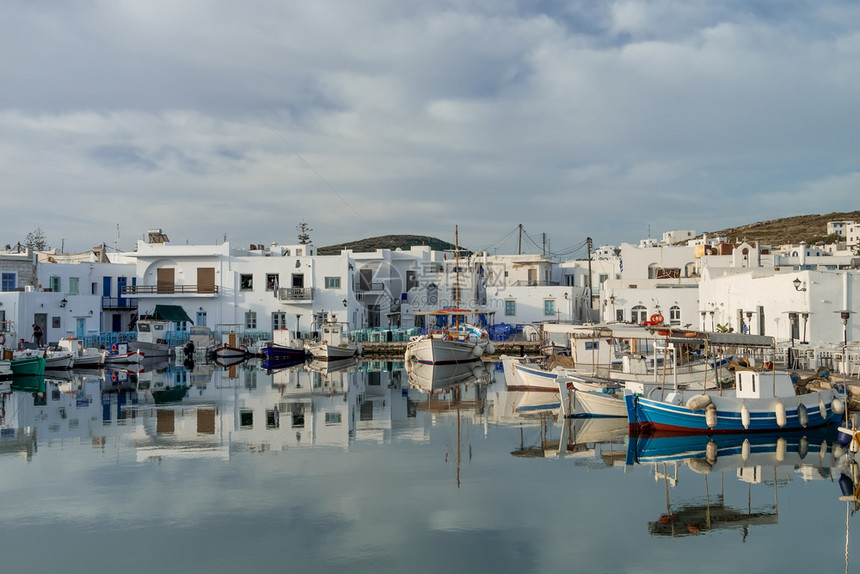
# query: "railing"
{"type": "Point", "coordinates": [169, 289]}
{"type": "Point", "coordinates": [295, 293]}
{"type": "Point", "coordinates": [535, 283]}
{"type": "Point", "coordinates": [369, 286]}
{"type": "Point", "coordinates": [118, 303]}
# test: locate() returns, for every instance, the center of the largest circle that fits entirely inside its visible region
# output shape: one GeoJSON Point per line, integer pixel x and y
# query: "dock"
{"type": "Point", "coordinates": [397, 349]}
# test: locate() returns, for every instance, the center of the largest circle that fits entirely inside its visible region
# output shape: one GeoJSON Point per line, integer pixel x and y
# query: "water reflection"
{"type": "Point", "coordinates": [754, 460]}
{"type": "Point", "coordinates": [332, 447]}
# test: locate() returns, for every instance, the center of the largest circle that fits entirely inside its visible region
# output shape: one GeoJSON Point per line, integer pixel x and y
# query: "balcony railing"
{"type": "Point", "coordinates": [170, 290]}
{"type": "Point", "coordinates": [295, 293]}
{"type": "Point", "coordinates": [118, 303]}
{"type": "Point", "coordinates": [534, 283]}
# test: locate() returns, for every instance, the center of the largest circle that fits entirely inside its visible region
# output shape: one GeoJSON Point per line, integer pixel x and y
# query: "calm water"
{"type": "Point", "coordinates": [363, 470]}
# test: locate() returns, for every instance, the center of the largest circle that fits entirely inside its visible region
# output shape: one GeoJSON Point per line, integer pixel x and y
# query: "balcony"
{"type": "Point", "coordinates": [144, 290]}
{"type": "Point", "coordinates": [118, 303]}
{"type": "Point", "coordinates": [295, 294]}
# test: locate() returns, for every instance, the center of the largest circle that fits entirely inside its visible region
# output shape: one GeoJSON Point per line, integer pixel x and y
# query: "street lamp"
{"type": "Point", "coordinates": [797, 283]}
{"type": "Point", "coordinates": [64, 302]}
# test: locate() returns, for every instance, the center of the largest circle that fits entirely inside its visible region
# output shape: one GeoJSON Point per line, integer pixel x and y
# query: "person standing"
{"type": "Point", "coordinates": [37, 335]}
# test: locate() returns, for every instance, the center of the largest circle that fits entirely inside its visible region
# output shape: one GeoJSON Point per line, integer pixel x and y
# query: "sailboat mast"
{"type": "Point", "coordinates": [457, 266]}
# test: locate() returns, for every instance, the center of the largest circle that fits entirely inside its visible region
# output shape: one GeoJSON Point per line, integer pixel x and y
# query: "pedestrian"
{"type": "Point", "coordinates": [37, 335]}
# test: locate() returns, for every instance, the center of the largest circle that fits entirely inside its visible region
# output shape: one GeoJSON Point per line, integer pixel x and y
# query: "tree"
{"type": "Point", "coordinates": [304, 229]}
{"type": "Point", "coordinates": [36, 240]}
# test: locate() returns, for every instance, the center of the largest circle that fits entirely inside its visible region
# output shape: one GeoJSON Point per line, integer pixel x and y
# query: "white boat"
{"type": "Point", "coordinates": [584, 396]}
{"type": "Point", "coordinates": [119, 353]}
{"type": "Point", "coordinates": [54, 358]}
{"type": "Point", "coordinates": [152, 337]}
{"type": "Point", "coordinates": [334, 343]}
{"type": "Point", "coordinates": [84, 357]}
{"type": "Point", "coordinates": [452, 340]}
{"type": "Point", "coordinates": [232, 347]}
{"type": "Point", "coordinates": [577, 393]}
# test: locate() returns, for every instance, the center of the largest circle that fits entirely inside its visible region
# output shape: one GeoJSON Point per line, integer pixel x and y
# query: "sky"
{"type": "Point", "coordinates": [610, 120]}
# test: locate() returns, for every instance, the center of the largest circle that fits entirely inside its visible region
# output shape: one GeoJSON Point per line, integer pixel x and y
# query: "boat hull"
{"type": "Point", "coordinates": [280, 352]}
{"type": "Point", "coordinates": [331, 352]}
{"type": "Point", "coordinates": [31, 366]}
{"type": "Point", "coordinates": [646, 416]}
{"type": "Point", "coordinates": [433, 351]}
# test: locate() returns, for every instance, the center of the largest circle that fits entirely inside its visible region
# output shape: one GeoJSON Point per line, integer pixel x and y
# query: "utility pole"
{"type": "Point", "coordinates": [590, 302]}
{"type": "Point", "coordinates": [543, 244]}
{"type": "Point", "coordinates": [520, 241]}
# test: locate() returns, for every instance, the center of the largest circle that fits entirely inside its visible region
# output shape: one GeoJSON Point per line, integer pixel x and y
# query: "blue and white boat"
{"type": "Point", "coordinates": [760, 401]}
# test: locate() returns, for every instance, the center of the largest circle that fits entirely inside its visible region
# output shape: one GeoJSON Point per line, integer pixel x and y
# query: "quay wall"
{"type": "Point", "coordinates": [398, 349]}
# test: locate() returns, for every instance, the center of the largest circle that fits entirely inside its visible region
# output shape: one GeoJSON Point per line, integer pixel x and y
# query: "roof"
{"type": "Point", "coordinates": [171, 313]}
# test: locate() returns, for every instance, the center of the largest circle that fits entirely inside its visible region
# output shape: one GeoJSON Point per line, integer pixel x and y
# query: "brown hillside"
{"type": "Point", "coordinates": [808, 228]}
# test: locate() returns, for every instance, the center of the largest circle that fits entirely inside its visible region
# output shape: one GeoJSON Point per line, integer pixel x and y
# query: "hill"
{"type": "Point", "coordinates": [808, 228]}
{"type": "Point", "coordinates": [388, 242]}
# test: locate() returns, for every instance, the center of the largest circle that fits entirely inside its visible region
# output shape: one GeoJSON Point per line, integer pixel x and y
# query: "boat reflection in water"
{"type": "Point", "coordinates": [439, 378]}
{"type": "Point", "coordinates": [764, 459]}
{"type": "Point", "coordinates": [587, 441]}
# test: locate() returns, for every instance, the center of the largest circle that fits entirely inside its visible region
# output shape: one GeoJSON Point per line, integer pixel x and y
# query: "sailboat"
{"type": "Point", "coordinates": [452, 339]}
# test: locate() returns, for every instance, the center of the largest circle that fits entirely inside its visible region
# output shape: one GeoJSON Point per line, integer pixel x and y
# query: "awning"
{"type": "Point", "coordinates": [171, 313]}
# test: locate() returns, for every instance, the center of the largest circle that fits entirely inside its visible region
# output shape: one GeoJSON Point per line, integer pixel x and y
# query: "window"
{"type": "Point", "coordinates": [333, 418]}
{"type": "Point", "coordinates": [279, 320]}
{"type": "Point", "coordinates": [510, 308]}
{"type": "Point", "coordinates": [674, 315]}
{"type": "Point", "coordinates": [55, 284]}
{"type": "Point", "coordinates": [73, 285]}
{"type": "Point", "coordinates": [201, 318]}
{"type": "Point", "coordinates": [94, 288]}
{"type": "Point", "coordinates": [638, 314]}
{"type": "Point", "coordinates": [246, 282]}
{"type": "Point", "coordinates": [619, 315]}
{"type": "Point", "coordinates": [272, 282]}
{"type": "Point", "coordinates": [332, 282]}
{"type": "Point", "coordinates": [411, 280]}
{"type": "Point", "coordinates": [246, 419]}
{"type": "Point", "coordinates": [8, 282]}
{"type": "Point", "coordinates": [3, 325]}
{"type": "Point", "coordinates": [271, 419]}
{"type": "Point", "coordinates": [549, 306]}
{"type": "Point", "coordinates": [250, 320]}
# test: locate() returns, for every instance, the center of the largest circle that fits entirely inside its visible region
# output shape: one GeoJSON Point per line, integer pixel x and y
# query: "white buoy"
{"type": "Point", "coordinates": [745, 450]}
{"type": "Point", "coordinates": [781, 445]}
{"type": "Point", "coordinates": [802, 415]}
{"type": "Point", "coordinates": [491, 349]}
{"type": "Point", "coordinates": [779, 411]}
{"type": "Point", "coordinates": [822, 409]}
{"type": "Point", "coordinates": [698, 402]}
{"type": "Point", "coordinates": [711, 416]}
{"type": "Point", "coordinates": [838, 451]}
{"type": "Point", "coordinates": [711, 452]}
{"type": "Point", "coordinates": [837, 406]}
{"type": "Point", "coordinates": [477, 350]}
{"type": "Point", "coordinates": [745, 416]}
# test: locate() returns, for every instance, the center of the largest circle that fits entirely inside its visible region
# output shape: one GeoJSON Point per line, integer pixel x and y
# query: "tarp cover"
{"type": "Point", "coordinates": [171, 313]}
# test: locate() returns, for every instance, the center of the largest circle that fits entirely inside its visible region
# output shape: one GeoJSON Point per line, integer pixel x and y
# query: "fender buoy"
{"type": "Point", "coordinates": [113, 377]}
{"type": "Point", "coordinates": [664, 333]}
{"type": "Point", "coordinates": [656, 319]}
{"type": "Point", "coordinates": [113, 348]}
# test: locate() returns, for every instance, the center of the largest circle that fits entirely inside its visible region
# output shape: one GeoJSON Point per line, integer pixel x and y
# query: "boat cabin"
{"type": "Point", "coordinates": [154, 330]}
{"type": "Point", "coordinates": [763, 385]}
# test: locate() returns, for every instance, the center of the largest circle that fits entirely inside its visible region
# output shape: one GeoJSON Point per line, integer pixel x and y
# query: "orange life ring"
{"type": "Point", "coordinates": [113, 348]}
{"type": "Point", "coordinates": [656, 319]}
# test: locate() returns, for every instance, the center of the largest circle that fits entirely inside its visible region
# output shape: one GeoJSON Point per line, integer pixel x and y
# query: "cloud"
{"type": "Point", "coordinates": [574, 119]}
